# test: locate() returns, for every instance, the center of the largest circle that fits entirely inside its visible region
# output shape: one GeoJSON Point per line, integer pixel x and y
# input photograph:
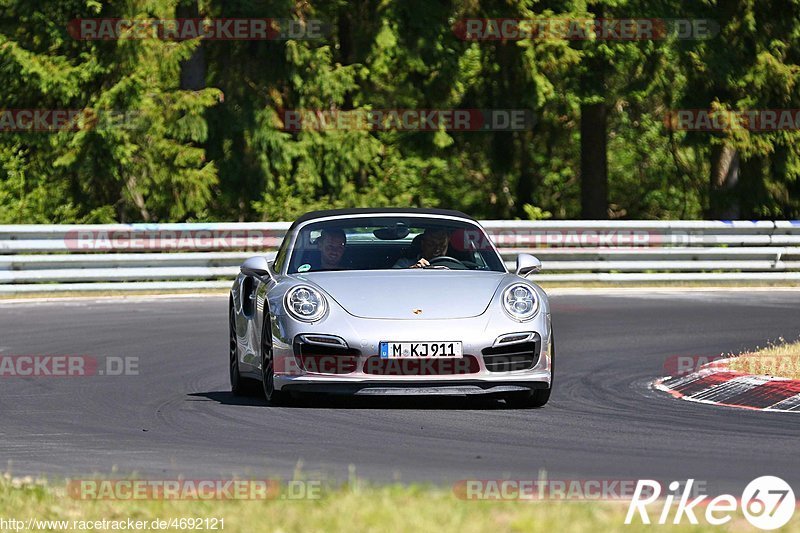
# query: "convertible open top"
{"type": "Point", "coordinates": [378, 211]}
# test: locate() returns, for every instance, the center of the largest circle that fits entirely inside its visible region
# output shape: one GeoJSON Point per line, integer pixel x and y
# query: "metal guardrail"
{"type": "Point", "coordinates": [44, 258]}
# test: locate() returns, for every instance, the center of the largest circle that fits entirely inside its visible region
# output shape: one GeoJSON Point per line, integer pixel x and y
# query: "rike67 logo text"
{"type": "Point", "coordinates": [767, 502]}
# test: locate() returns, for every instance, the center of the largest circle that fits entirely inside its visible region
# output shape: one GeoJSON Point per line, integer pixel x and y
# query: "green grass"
{"type": "Point", "coordinates": [392, 508]}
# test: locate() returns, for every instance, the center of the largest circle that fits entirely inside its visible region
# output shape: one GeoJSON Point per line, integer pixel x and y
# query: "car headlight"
{"type": "Point", "coordinates": [305, 303]}
{"type": "Point", "coordinates": [520, 302]}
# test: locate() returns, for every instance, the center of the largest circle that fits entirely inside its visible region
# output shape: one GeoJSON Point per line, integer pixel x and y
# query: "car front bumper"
{"type": "Point", "coordinates": [363, 336]}
{"type": "Point", "coordinates": [412, 388]}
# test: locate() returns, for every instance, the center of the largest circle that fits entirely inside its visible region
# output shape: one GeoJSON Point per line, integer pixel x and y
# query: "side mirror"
{"type": "Point", "coordinates": [527, 264]}
{"type": "Point", "coordinates": [256, 266]}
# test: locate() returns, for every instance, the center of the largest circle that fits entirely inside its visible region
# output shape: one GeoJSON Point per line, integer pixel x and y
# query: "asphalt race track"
{"type": "Point", "coordinates": [177, 418]}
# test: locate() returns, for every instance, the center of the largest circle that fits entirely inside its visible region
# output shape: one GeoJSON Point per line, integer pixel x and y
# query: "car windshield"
{"type": "Point", "coordinates": [391, 242]}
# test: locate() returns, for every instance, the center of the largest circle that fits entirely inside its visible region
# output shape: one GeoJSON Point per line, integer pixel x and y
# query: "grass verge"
{"type": "Point", "coordinates": [392, 508]}
{"type": "Point", "coordinates": [776, 360]}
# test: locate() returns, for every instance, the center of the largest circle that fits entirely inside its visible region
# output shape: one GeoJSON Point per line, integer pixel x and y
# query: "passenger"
{"type": "Point", "coordinates": [432, 244]}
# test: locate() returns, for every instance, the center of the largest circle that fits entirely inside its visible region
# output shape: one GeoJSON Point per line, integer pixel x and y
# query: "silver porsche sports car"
{"type": "Point", "coordinates": [390, 302]}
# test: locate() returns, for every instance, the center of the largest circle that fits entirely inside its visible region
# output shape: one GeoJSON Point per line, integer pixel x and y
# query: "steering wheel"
{"type": "Point", "coordinates": [454, 263]}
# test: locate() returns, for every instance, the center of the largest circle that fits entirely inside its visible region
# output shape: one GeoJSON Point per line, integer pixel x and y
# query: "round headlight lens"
{"type": "Point", "coordinates": [306, 304]}
{"type": "Point", "coordinates": [520, 302]}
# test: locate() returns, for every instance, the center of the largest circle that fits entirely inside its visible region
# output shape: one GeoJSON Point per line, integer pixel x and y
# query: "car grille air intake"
{"type": "Point", "coordinates": [321, 359]}
{"type": "Point", "coordinates": [507, 358]}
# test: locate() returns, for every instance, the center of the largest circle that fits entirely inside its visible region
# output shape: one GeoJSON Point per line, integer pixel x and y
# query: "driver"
{"type": "Point", "coordinates": [331, 245]}
{"type": "Point", "coordinates": [433, 244]}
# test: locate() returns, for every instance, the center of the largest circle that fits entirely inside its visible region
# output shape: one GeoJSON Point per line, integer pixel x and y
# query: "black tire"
{"type": "Point", "coordinates": [539, 397]}
{"type": "Point", "coordinates": [528, 400]}
{"type": "Point", "coordinates": [238, 386]}
{"type": "Point", "coordinates": [274, 397]}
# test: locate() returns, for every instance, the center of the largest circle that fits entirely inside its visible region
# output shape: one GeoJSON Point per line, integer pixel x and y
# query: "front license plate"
{"type": "Point", "coordinates": [417, 350]}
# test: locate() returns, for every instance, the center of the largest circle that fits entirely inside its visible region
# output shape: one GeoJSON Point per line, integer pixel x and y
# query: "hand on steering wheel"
{"type": "Point", "coordinates": [444, 258]}
{"type": "Point", "coordinates": [441, 260]}
{"type": "Point", "coordinates": [432, 263]}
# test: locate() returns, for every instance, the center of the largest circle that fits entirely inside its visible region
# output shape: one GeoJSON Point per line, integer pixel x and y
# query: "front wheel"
{"type": "Point", "coordinates": [538, 397]}
{"type": "Point", "coordinates": [273, 396]}
{"type": "Point", "coordinates": [237, 382]}
{"type": "Point", "coordinates": [529, 400]}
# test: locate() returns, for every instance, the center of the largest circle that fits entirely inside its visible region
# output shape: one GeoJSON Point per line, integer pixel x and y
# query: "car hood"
{"type": "Point", "coordinates": [409, 294]}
